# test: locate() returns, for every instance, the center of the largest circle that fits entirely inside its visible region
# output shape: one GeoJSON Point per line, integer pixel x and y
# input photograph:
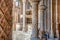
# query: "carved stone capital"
{"type": "Point", "coordinates": [34, 1]}
{"type": "Point", "coordinates": [42, 7]}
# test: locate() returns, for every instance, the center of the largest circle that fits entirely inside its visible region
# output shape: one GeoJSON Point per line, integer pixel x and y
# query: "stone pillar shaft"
{"type": "Point", "coordinates": [57, 32]}
{"type": "Point", "coordinates": [40, 23]}
{"type": "Point", "coordinates": [21, 11]}
{"type": "Point", "coordinates": [51, 31]}
{"type": "Point", "coordinates": [49, 16]}
{"type": "Point", "coordinates": [45, 17]}
{"type": "Point", "coordinates": [41, 15]}
{"type": "Point", "coordinates": [35, 19]}
{"type": "Point", "coordinates": [24, 14]}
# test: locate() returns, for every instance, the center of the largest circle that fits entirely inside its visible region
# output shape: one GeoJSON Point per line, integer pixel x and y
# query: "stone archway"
{"type": "Point", "coordinates": [6, 19]}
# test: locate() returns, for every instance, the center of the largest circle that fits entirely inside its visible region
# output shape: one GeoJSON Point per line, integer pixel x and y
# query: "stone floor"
{"type": "Point", "coordinates": [19, 35]}
{"type": "Point", "coordinates": [53, 39]}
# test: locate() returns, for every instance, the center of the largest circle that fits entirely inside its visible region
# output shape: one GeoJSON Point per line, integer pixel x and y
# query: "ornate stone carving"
{"type": "Point", "coordinates": [5, 19]}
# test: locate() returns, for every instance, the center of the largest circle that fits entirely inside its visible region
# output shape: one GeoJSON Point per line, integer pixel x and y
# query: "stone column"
{"type": "Point", "coordinates": [49, 19]}
{"type": "Point", "coordinates": [57, 32]}
{"type": "Point", "coordinates": [34, 4]}
{"type": "Point", "coordinates": [21, 12]}
{"type": "Point", "coordinates": [24, 14]}
{"type": "Point", "coordinates": [51, 31]}
{"type": "Point", "coordinates": [48, 16]}
{"type": "Point", "coordinates": [45, 16]}
{"type": "Point", "coordinates": [41, 13]}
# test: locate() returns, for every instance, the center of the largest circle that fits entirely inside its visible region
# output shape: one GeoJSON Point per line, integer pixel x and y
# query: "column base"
{"type": "Point", "coordinates": [35, 39]}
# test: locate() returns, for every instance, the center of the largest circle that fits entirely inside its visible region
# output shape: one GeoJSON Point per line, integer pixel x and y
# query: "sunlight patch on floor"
{"type": "Point", "coordinates": [20, 35]}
